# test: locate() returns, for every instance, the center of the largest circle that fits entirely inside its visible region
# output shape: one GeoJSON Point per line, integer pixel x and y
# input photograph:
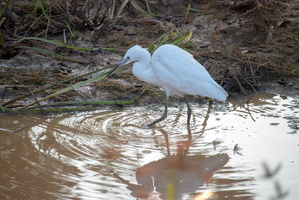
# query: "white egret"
{"type": "Point", "coordinates": [175, 70]}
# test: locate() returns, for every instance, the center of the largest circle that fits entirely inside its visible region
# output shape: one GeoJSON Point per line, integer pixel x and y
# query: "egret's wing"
{"type": "Point", "coordinates": [180, 73]}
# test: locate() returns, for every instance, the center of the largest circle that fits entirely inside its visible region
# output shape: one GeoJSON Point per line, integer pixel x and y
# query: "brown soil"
{"type": "Point", "coordinates": [244, 44]}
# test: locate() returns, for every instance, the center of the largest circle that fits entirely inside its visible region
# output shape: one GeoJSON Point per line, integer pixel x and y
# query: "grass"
{"type": "Point", "coordinates": [55, 29]}
{"type": "Point", "coordinates": [47, 42]}
{"type": "Point", "coordinates": [42, 11]}
{"type": "Point", "coordinates": [166, 38]}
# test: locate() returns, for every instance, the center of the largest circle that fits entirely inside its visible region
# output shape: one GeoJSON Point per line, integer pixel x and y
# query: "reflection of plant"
{"type": "Point", "coordinates": [237, 150]}
{"type": "Point", "coordinates": [270, 173]}
{"type": "Point", "coordinates": [293, 121]}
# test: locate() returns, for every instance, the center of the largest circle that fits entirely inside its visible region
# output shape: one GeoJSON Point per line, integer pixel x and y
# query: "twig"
{"type": "Point", "coordinates": [240, 84]}
{"type": "Point", "coordinates": [249, 11]}
{"type": "Point", "coordinates": [112, 102]}
{"type": "Point", "coordinates": [248, 109]}
{"type": "Point", "coordinates": [37, 102]}
{"type": "Point", "coordinates": [121, 8]}
{"type": "Point", "coordinates": [51, 86]}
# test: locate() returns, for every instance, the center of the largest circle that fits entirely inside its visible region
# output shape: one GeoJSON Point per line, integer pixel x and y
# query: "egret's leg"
{"type": "Point", "coordinates": [188, 118]}
{"type": "Point", "coordinates": [164, 113]}
{"type": "Point", "coordinates": [188, 111]}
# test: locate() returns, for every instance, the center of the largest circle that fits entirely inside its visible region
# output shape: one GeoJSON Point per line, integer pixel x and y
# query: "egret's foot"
{"type": "Point", "coordinates": [163, 116]}
{"type": "Point", "coordinates": [150, 125]}
{"type": "Point", "coordinates": [145, 126]}
{"type": "Point", "coordinates": [158, 120]}
{"type": "Point", "coordinates": [153, 123]}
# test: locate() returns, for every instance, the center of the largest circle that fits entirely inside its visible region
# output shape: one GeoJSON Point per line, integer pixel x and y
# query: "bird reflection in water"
{"type": "Point", "coordinates": [175, 175]}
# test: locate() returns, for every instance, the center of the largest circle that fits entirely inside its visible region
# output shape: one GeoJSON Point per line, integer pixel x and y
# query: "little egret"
{"type": "Point", "coordinates": [175, 70]}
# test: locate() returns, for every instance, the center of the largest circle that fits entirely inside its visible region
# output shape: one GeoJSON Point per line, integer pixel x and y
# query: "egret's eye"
{"type": "Point", "coordinates": [128, 57]}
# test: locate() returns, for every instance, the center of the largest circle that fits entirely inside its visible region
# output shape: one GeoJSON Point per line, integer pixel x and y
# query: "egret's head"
{"type": "Point", "coordinates": [134, 54]}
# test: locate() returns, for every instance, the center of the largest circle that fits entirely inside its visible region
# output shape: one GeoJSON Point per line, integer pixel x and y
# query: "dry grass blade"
{"type": "Point", "coordinates": [170, 37]}
{"type": "Point", "coordinates": [51, 86]}
{"type": "Point", "coordinates": [239, 84]}
{"type": "Point", "coordinates": [184, 39]}
{"type": "Point", "coordinates": [137, 7]}
{"type": "Point", "coordinates": [121, 8]}
{"type": "Point", "coordinates": [72, 87]}
{"type": "Point", "coordinates": [111, 9]}
{"type": "Point", "coordinates": [112, 102]}
{"type": "Point", "coordinates": [38, 104]}
{"type": "Point", "coordinates": [75, 86]}
{"type": "Point", "coordinates": [64, 90]}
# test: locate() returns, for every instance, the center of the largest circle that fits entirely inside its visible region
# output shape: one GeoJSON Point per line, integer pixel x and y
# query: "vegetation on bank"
{"type": "Point", "coordinates": [251, 41]}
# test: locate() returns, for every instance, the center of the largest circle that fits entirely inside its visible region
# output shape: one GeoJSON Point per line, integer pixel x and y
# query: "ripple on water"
{"type": "Point", "coordinates": [95, 155]}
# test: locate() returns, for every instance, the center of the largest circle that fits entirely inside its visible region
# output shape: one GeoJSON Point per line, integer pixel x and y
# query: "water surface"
{"type": "Point", "coordinates": [244, 149]}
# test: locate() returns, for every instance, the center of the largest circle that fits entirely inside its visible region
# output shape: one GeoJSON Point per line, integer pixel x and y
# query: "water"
{"type": "Point", "coordinates": [245, 149]}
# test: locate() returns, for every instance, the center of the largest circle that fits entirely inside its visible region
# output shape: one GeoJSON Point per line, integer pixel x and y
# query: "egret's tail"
{"type": "Point", "coordinates": [215, 91]}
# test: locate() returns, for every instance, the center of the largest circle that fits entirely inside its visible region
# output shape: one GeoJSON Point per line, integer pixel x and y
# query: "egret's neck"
{"type": "Point", "coordinates": [142, 68]}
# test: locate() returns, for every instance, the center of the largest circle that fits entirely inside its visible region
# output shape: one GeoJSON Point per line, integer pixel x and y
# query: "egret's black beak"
{"type": "Point", "coordinates": [121, 63]}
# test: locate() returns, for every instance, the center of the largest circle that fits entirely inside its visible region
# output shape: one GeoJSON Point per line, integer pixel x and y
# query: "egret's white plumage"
{"type": "Point", "coordinates": [175, 70]}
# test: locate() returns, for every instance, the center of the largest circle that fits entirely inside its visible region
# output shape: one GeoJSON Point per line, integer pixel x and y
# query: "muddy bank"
{"type": "Point", "coordinates": [247, 46]}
